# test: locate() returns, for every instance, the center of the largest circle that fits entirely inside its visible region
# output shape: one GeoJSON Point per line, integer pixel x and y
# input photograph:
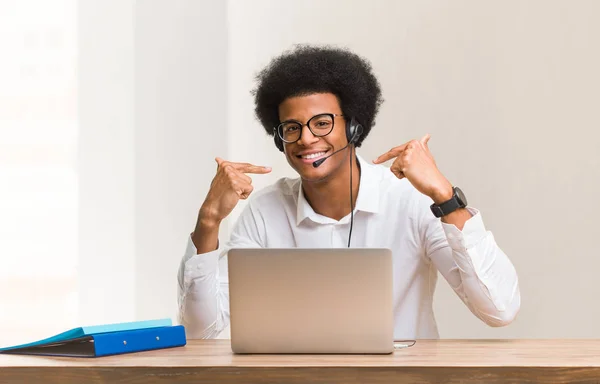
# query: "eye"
{"type": "Point", "coordinates": [322, 125]}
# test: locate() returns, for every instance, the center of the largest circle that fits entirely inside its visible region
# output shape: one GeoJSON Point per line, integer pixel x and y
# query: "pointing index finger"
{"type": "Point", "coordinates": [394, 152]}
{"type": "Point", "coordinates": [251, 168]}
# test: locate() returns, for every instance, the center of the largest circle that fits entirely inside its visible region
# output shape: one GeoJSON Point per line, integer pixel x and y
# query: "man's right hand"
{"type": "Point", "coordinates": [229, 185]}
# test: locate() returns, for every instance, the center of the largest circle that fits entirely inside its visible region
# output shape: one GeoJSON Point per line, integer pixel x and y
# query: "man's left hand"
{"type": "Point", "coordinates": [414, 161]}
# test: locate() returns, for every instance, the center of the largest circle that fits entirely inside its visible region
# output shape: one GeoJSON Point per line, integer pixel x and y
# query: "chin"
{"type": "Point", "coordinates": [315, 176]}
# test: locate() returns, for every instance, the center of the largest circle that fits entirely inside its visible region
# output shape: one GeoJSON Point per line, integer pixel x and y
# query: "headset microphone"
{"type": "Point", "coordinates": [320, 161]}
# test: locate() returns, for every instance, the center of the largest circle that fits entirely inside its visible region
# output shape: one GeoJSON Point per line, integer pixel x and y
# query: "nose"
{"type": "Point", "coordinates": [307, 138]}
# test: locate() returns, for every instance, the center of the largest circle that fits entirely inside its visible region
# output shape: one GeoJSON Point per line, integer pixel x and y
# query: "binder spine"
{"type": "Point", "coordinates": [139, 340]}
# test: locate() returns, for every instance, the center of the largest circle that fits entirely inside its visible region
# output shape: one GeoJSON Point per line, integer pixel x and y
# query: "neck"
{"type": "Point", "coordinates": [331, 197]}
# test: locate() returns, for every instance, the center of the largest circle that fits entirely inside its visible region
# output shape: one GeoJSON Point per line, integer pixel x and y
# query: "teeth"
{"type": "Point", "coordinates": [313, 155]}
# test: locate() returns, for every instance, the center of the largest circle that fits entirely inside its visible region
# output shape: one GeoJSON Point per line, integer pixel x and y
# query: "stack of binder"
{"type": "Point", "coordinates": [104, 340]}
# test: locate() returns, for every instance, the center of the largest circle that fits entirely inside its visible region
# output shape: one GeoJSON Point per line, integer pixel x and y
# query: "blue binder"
{"type": "Point", "coordinates": [104, 340]}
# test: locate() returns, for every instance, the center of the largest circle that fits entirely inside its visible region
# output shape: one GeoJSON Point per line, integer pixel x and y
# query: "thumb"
{"type": "Point", "coordinates": [219, 160]}
{"type": "Point", "coordinates": [425, 139]}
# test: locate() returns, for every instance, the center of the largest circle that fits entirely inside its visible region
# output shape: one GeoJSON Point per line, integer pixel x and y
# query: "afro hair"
{"type": "Point", "coordinates": [319, 69]}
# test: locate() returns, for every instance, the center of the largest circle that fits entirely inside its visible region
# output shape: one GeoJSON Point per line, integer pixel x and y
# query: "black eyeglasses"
{"type": "Point", "coordinates": [319, 125]}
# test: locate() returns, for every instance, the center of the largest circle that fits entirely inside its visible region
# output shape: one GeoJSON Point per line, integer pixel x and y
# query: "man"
{"type": "Point", "coordinates": [320, 104]}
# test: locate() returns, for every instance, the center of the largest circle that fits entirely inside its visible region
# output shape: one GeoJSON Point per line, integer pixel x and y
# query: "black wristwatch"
{"type": "Point", "coordinates": [458, 200]}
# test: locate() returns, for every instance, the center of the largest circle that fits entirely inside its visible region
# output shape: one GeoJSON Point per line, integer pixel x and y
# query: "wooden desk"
{"type": "Point", "coordinates": [211, 361]}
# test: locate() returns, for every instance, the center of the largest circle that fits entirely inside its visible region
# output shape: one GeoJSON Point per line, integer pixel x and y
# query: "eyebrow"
{"type": "Point", "coordinates": [291, 121]}
{"type": "Point", "coordinates": [299, 122]}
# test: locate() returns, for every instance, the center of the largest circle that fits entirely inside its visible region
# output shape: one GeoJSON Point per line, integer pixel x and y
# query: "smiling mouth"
{"type": "Point", "coordinates": [312, 157]}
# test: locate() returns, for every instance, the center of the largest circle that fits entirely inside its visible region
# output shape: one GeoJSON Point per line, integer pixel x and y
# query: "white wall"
{"type": "Point", "coordinates": [38, 175]}
{"type": "Point", "coordinates": [180, 127]}
{"type": "Point", "coordinates": [509, 91]}
{"type": "Point", "coordinates": [152, 108]}
{"type": "Point", "coordinates": [106, 143]}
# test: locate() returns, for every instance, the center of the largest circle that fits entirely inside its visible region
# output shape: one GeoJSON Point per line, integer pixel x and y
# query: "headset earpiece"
{"type": "Point", "coordinates": [353, 131]}
{"type": "Point", "coordinates": [277, 140]}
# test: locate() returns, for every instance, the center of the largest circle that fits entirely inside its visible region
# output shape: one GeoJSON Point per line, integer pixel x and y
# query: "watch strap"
{"type": "Point", "coordinates": [446, 207]}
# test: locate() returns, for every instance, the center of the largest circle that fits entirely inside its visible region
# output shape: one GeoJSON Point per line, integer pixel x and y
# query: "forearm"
{"type": "Point", "coordinates": [489, 283]}
{"type": "Point", "coordinates": [203, 293]}
{"type": "Point", "coordinates": [203, 301]}
{"type": "Point", "coordinates": [457, 218]}
{"type": "Point", "coordinates": [204, 309]}
{"type": "Point", "coordinates": [206, 233]}
{"type": "Point", "coordinates": [480, 272]}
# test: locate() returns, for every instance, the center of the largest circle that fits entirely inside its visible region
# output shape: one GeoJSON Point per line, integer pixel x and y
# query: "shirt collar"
{"type": "Point", "coordinates": [366, 201]}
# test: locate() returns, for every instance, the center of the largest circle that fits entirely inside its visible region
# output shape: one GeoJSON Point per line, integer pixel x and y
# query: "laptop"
{"type": "Point", "coordinates": [318, 301]}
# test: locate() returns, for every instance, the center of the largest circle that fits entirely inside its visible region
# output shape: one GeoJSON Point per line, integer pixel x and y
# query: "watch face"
{"type": "Point", "coordinates": [461, 196]}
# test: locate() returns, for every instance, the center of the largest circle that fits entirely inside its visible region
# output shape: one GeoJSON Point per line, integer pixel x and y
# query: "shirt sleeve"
{"type": "Point", "coordinates": [473, 264]}
{"type": "Point", "coordinates": [203, 293]}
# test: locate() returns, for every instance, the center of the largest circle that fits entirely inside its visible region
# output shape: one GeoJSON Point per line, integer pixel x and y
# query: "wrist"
{"type": "Point", "coordinates": [441, 195]}
{"type": "Point", "coordinates": [206, 234]}
{"type": "Point", "coordinates": [208, 219]}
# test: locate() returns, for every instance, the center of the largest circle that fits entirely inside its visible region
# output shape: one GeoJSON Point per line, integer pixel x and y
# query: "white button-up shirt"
{"type": "Point", "coordinates": [389, 213]}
